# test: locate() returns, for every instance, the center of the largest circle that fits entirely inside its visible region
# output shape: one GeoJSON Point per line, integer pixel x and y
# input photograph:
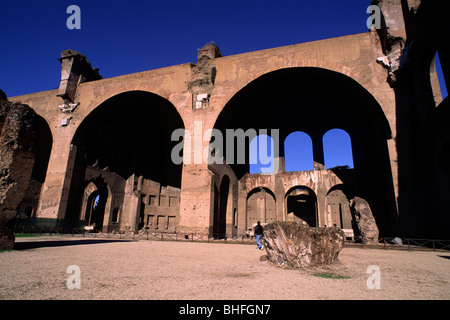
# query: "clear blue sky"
{"type": "Point", "coordinates": [122, 37]}
{"type": "Point", "coordinates": [298, 152]}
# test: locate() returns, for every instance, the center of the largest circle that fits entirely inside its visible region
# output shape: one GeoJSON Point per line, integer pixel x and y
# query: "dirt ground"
{"type": "Point", "coordinates": [164, 270]}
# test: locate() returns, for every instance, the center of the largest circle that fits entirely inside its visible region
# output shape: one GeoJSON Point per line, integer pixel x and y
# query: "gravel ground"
{"type": "Point", "coordinates": [116, 269]}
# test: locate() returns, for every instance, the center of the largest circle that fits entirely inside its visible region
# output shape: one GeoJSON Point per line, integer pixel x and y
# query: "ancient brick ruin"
{"type": "Point", "coordinates": [17, 154]}
{"type": "Point", "coordinates": [103, 156]}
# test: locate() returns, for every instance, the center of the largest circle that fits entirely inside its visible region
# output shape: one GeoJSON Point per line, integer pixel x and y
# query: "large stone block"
{"type": "Point", "coordinates": [292, 244]}
{"type": "Point", "coordinates": [364, 219]}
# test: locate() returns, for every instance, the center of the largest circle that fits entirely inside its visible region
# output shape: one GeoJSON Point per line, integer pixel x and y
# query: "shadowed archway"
{"type": "Point", "coordinates": [314, 101]}
{"type": "Point", "coordinates": [127, 135]}
{"type": "Point", "coordinates": [301, 203]}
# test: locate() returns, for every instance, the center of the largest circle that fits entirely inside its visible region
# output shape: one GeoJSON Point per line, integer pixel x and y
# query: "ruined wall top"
{"type": "Point", "coordinates": [392, 11]}
{"type": "Point", "coordinates": [75, 69]}
{"type": "Point", "coordinates": [209, 50]}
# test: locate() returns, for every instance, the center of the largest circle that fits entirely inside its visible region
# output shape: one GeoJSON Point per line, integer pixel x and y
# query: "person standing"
{"type": "Point", "coordinates": [259, 233]}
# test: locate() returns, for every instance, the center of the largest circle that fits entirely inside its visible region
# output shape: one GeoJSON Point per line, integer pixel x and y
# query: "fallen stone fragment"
{"type": "Point", "coordinates": [295, 245]}
{"type": "Point", "coordinates": [365, 221]}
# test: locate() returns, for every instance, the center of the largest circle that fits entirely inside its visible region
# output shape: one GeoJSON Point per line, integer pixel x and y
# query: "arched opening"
{"type": "Point", "coordinates": [338, 209]}
{"type": "Point", "coordinates": [44, 142]}
{"type": "Point", "coordinates": [261, 154]}
{"type": "Point", "coordinates": [314, 101]}
{"type": "Point", "coordinates": [126, 142]}
{"type": "Point", "coordinates": [286, 100]}
{"type": "Point", "coordinates": [261, 206]}
{"type": "Point", "coordinates": [97, 196]}
{"type": "Point", "coordinates": [301, 203]}
{"type": "Point", "coordinates": [92, 210]}
{"type": "Point", "coordinates": [28, 211]}
{"type": "Point", "coordinates": [115, 215]}
{"type": "Point", "coordinates": [221, 208]}
{"type": "Point", "coordinates": [131, 134]}
{"type": "Point", "coordinates": [298, 152]}
{"type": "Point", "coordinates": [337, 147]}
{"type": "Point", "coordinates": [43, 149]}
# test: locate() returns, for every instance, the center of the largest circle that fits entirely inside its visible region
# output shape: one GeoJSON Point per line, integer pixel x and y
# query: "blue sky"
{"type": "Point", "coordinates": [122, 37]}
{"type": "Point", "coordinates": [298, 152]}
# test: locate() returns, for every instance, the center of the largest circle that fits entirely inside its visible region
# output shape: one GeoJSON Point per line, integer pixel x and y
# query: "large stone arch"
{"type": "Point", "coordinates": [222, 203]}
{"type": "Point", "coordinates": [44, 146]}
{"type": "Point", "coordinates": [291, 99]}
{"type": "Point", "coordinates": [337, 143]}
{"type": "Point", "coordinates": [95, 211]}
{"type": "Point", "coordinates": [303, 73]}
{"type": "Point", "coordinates": [301, 203]}
{"type": "Point", "coordinates": [295, 160]}
{"type": "Point", "coordinates": [110, 96]}
{"type": "Point", "coordinates": [126, 141]}
{"type": "Point", "coordinates": [261, 206]}
{"type": "Point", "coordinates": [353, 56]}
{"type": "Point", "coordinates": [338, 208]}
